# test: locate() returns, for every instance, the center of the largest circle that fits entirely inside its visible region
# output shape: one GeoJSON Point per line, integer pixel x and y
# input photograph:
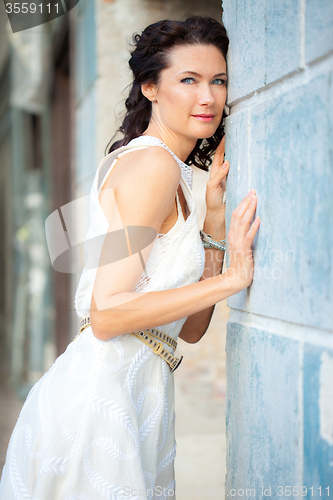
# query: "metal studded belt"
{"type": "Point", "coordinates": [150, 337]}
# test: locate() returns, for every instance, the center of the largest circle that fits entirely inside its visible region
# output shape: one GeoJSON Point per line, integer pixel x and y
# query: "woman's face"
{"type": "Point", "coordinates": [191, 94]}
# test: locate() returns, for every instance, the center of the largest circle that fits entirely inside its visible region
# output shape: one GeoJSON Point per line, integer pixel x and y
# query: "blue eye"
{"type": "Point", "coordinates": [221, 82]}
{"type": "Point", "coordinates": [185, 80]}
{"type": "Point", "coordinates": [217, 81]}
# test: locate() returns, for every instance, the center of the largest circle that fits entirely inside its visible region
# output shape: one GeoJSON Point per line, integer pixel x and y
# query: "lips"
{"type": "Point", "coordinates": [204, 117]}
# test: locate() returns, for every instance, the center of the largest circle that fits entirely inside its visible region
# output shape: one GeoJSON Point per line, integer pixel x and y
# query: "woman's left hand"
{"type": "Point", "coordinates": [216, 184]}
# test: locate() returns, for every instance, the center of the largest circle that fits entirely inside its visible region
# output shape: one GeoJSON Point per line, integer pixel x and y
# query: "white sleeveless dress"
{"type": "Point", "coordinates": [100, 423]}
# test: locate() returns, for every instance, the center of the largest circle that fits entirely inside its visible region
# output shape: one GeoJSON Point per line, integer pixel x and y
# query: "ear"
{"type": "Point", "coordinates": [149, 90]}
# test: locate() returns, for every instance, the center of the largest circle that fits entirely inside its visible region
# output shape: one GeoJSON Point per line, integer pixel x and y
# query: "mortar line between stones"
{"type": "Point", "coordinates": [283, 85]}
{"type": "Point", "coordinates": [295, 331]}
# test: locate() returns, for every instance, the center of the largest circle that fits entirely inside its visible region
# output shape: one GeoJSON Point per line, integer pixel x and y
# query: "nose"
{"type": "Point", "coordinates": [206, 96]}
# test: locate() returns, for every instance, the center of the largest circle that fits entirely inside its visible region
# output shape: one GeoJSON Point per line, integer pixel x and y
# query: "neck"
{"type": "Point", "coordinates": [181, 145]}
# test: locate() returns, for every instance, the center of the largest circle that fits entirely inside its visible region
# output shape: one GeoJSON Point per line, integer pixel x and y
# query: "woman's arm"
{"type": "Point", "coordinates": [146, 198]}
{"type": "Point", "coordinates": [134, 311]}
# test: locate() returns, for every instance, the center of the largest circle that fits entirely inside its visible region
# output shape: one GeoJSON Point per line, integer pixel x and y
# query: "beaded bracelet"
{"type": "Point", "coordinates": [209, 242]}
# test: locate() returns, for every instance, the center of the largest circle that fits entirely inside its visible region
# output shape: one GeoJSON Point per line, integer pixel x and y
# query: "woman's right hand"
{"type": "Point", "coordinates": [240, 239]}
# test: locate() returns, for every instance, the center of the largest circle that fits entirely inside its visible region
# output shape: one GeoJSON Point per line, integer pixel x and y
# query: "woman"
{"type": "Point", "coordinates": [100, 423]}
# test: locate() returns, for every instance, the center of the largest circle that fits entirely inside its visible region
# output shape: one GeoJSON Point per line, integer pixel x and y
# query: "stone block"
{"type": "Point", "coordinates": [264, 43]}
{"type": "Point", "coordinates": [290, 140]}
{"type": "Point", "coordinates": [318, 29]}
{"type": "Point", "coordinates": [262, 411]}
{"type": "Point", "coordinates": [318, 422]}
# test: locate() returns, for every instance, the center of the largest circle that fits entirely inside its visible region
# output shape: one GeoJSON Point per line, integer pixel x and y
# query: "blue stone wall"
{"type": "Point", "coordinates": [279, 141]}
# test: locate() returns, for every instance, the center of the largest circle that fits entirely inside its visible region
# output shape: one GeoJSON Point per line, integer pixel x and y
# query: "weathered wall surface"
{"type": "Point", "coordinates": [280, 332]}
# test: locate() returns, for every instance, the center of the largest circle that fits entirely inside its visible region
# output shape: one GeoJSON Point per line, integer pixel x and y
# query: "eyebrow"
{"type": "Point", "coordinates": [198, 74]}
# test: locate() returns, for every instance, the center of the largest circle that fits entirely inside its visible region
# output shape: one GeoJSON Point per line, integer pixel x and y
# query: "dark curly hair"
{"type": "Point", "coordinates": [149, 58]}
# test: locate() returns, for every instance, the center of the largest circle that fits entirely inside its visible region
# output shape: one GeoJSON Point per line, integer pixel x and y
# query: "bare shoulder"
{"type": "Point", "coordinates": [146, 171]}
{"type": "Point", "coordinates": [152, 162]}
{"type": "Point", "coordinates": [140, 168]}
{"type": "Point", "coordinates": [145, 185]}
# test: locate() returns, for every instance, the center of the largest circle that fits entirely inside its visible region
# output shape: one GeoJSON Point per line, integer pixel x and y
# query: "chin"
{"type": "Point", "coordinates": [207, 132]}
{"type": "Point", "coordinates": [206, 135]}
{"type": "Point", "coordinates": [201, 132]}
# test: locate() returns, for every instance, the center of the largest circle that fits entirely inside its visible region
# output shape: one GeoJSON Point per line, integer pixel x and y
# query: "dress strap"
{"type": "Point", "coordinates": [137, 143]}
{"type": "Point", "coordinates": [143, 142]}
{"type": "Point", "coordinates": [106, 167]}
